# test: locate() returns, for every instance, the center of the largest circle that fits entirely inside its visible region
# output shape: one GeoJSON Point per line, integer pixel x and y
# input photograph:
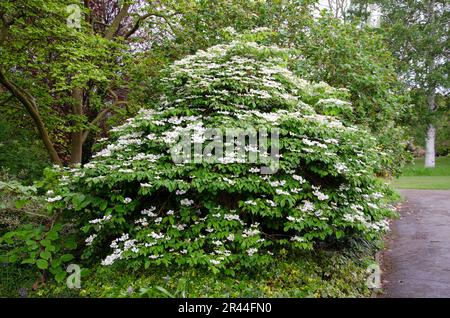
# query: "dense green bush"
{"type": "Point", "coordinates": [135, 206]}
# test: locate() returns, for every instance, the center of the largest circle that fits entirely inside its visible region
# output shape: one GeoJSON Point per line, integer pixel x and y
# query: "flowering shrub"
{"type": "Point", "coordinates": [133, 203]}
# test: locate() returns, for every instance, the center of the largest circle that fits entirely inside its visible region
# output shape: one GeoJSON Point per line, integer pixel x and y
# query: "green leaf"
{"type": "Point", "coordinates": [66, 258]}
{"type": "Point", "coordinates": [55, 263]}
{"type": "Point", "coordinates": [52, 235]}
{"type": "Point", "coordinates": [46, 243]}
{"type": "Point", "coordinates": [42, 264]}
{"type": "Point", "coordinates": [21, 203]}
{"type": "Point", "coordinates": [50, 248]}
{"type": "Point", "coordinates": [70, 244]}
{"type": "Point", "coordinates": [45, 255]}
{"type": "Point", "coordinates": [59, 277]}
{"type": "Point", "coordinates": [29, 261]}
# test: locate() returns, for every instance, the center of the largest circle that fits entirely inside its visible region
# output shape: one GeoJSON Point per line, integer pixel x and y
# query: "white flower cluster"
{"type": "Point", "coordinates": [308, 142]}
{"type": "Point", "coordinates": [186, 202]}
{"type": "Point", "coordinates": [127, 200]}
{"type": "Point", "coordinates": [102, 220]}
{"type": "Point", "coordinates": [142, 221]}
{"type": "Point", "coordinates": [54, 199]}
{"type": "Point", "coordinates": [307, 206]}
{"type": "Point", "coordinates": [252, 231]}
{"type": "Point", "coordinates": [90, 239]}
{"type": "Point", "coordinates": [320, 195]}
{"type": "Point", "coordinates": [341, 167]}
{"type": "Point", "coordinates": [149, 212]}
{"type": "Point", "coordinates": [297, 239]}
{"type": "Point", "coordinates": [252, 251]}
{"type": "Point", "coordinates": [231, 217]}
{"type": "Point", "coordinates": [123, 142]}
{"type": "Point", "coordinates": [128, 244]}
{"type": "Point", "coordinates": [294, 219]}
{"type": "Point", "coordinates": [298, 178]}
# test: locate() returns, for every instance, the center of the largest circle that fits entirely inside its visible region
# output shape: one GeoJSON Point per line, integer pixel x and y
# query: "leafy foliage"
{"type": "Point", "coordinates": [20, 143]}
{"type": "Point", "coordinates": [304, 274]}
{"type": "Point", "coordinates": [40, 247]}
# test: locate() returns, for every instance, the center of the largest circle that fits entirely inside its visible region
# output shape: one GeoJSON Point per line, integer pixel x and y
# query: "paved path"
{"type": "Point", "coordinates": [416, 262]}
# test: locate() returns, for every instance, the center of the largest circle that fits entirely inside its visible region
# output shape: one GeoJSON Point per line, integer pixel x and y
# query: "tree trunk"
{"type": "Point", "coordinates": [429, 147]}
{"type": "Point", "coordinates": [430, 138]}
{"type": "Point", "coordinates": [28, 102]}
{"type": "Point", "coordinates": [77, 136]}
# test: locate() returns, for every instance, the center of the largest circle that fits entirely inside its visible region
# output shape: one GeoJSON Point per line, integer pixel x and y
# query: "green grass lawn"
{"type": "Point", "coordinates": [416, 176]}
{"type": "Point", "coordinates": [423, 182]}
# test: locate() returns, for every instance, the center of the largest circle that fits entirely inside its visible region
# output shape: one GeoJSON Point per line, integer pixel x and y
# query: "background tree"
{"type": "Point", "coordinates": [69, 79]}
{"type": "Point", "coordinates": [417, 32]}
{"type": "Point", "coordinates": [340, 53]}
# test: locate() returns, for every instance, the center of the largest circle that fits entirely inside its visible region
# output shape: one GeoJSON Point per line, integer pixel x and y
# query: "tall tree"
{"type": "Point", "coordinates": [65, 63]}
{"type": "Point", "coordinates": [418, 35]}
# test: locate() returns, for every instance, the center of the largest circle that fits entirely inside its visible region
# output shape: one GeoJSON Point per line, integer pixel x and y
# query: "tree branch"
{"type": "Point", "coordinates": [144, 17]}
{"type": "Point", "coordinates": [30, 105]}
{"type": "Point", "coordinates": [112, 29]}
{"type": "Point", "coordinates": [103, 113]}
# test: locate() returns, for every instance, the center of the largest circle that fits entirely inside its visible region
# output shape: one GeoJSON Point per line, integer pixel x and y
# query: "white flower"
{"type": "Point", "coordinates": [231, 217]}
{"type": "Point", "coordinates": [170, 212]}
{"type": "Point", "coordinates": [110, 259]}
{"type": "Point", "coordinates": [214, 262]}
{"type": "Point", "coordinates": [377, 195]}
{"type": "Point", "coordinates": [294, 219]}
{"type": "Point", "coordinates": [149, 212]}
{"type": "Point", "coordinates": [102, 220]}
{"type": "Point", "coordinates": [229, 181]}
{"type": "Point", "coordinates": [277, 183]}
{"type": "Point", "coordinates": [297, 239]}
{"type": "Point", "coordinates": [156, 236]}
{"type": "Point", "coordinates": [321, 196]}
{"type": "Point", "coordinates": [252, 251]}
{"type": "Point", "coordinates": [180, 192]}
{"type": "Point", "coordinates": [341, 168]}
{"type": "Point", "coordinates": [186, 202]}
{"type": "Point", "coordinates": [281, 192]}
{"type": "Point", "coordinates": [373, 206]}
{"type": "Point", "coordinates": [250, 232]}
{"type": "Point", "coordinates": [298, 178]}
{"type": "Point", "coordinates": [127, 200]}
{"type": "Point", "coordinates": [307, 206]}
{"type": "Point", "coordinates": [230, 237]}
{"type": "Point", "coordinates": [142, 221]}
{"type": "Point", "coordinates": [90, 239]}
{"type": "Point", "coordinates": [54, 199]}
{"type": "Point", "coordinates": [179, 227]}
